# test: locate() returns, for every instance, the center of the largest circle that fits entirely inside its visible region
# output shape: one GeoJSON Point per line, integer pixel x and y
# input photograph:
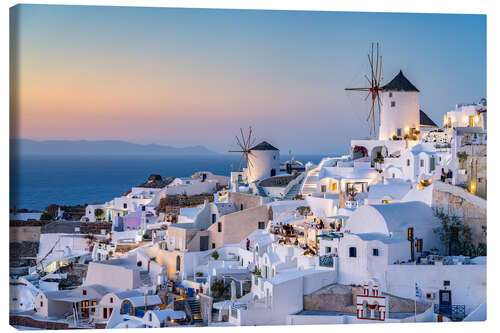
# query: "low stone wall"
{"type": "Point", "coordinates": [30, 322]}
{"type": "Point", "coordinates": [343, 298]}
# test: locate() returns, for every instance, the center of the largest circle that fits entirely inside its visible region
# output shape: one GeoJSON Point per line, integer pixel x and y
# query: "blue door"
{"type": "Point", "coordinates": [190, 292]}
{"type": "Point", "coordinates": [126, 308]}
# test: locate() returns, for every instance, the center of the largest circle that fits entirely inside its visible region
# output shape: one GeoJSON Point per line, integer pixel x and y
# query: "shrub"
{"type": "Point", "coordinates": [215, 255]}
{"type": "Point", "coordinates": [219, 290]}
{"type": "Point", "coordinates": [304, 210]}
{"type": "Point", "coordinates": [45, 216]}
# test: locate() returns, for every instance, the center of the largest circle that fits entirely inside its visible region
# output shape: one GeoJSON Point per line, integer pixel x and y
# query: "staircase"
{"type": "Point", "coordinates": [145, 279]}
{"type": "Point", "coordinates": [294, 190]}
{"type": "Point", "coordinates": [260, 191]}
{"type": "Point", "coordinates": [194, 310]}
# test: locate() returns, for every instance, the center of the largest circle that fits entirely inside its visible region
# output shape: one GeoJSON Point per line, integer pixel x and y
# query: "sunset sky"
{"type": "Point", "coordinates": [192, 77]}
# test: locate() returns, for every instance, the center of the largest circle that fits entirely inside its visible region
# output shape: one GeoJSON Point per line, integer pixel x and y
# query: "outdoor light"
{"type": "Point", "coordinates": [472, 188]}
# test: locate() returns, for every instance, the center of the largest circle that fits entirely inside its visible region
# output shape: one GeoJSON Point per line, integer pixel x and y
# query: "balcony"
{"type": "Point", "coordinates": [454, 312]}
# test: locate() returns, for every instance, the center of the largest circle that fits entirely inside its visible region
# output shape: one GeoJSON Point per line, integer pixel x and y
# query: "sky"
{"type": "Point", "coordinates": [186, 77]}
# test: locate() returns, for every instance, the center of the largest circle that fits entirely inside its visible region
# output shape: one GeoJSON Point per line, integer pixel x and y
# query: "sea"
{"type": "Point", "coordinates": [38, 181]}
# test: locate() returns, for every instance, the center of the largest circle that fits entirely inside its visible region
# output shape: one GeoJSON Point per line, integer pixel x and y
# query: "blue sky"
{"type": "Point", "coordinates": [194, 76]}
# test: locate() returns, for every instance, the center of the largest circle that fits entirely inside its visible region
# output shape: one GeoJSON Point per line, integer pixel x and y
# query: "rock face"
{"type": "Point", "coordinates": [456, 201]}
{"type": "Point", "coordinates": [338, 297]}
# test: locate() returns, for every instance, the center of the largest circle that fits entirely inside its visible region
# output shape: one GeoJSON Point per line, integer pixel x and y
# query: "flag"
{"type": "Point", "coordinates": [418, 292]}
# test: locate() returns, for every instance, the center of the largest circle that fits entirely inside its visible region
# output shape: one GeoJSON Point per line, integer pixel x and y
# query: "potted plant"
{"type": "Point", "coordinates": [434, 251]}
{"type": "Point", "coordinates": [199, 274]}
{"type": "Point", "coordinates": [215, 255]}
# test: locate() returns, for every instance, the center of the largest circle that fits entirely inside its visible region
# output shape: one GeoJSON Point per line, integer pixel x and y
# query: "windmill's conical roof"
{"type": "Point", "coordinates": [400, 83]}
{"type": "Point", "coordinates": [264, 145]}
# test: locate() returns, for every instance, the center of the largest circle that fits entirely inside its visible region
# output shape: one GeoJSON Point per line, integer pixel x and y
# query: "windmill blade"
{"type": "Point", "coordinates": [376, 69]}
{"type": "Point", "coordinates": [241, 160]}
{"type": "Point", "coordinates": [380, 73]}
{"type": "Point", "coordinates": [369, 93]}
{"type": "Point", "coordinates": [358, 89]}
{"type": "Point", "coordinates": [239, 143]}
{"type": "Point", "coordinates": [248, 165]}
{"type": "Point", "coordinates": [249, 136]}
{"type": "Point", "coordinates": [371, 66]}
{"type": "Point", "coordinates": [242, 137]}
{"type": "Point", "coordinates": [253, 142]}
{"type": "Point", "coordinates": [367, 79]}
{"type": "Point", "coordinates": [249, 161]}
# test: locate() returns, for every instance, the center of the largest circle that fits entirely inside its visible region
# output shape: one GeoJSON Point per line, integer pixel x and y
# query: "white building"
{"type": "Point", "coordinates": [400, 110]}
{"type": "Point", "coordinates": [264, 162]}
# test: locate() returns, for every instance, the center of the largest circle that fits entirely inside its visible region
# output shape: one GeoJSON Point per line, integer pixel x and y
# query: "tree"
{"type": "Point", "coordinates": [45, 216]}
{"type": "Point", "coordinates": [454, 234]}
{"type": "Point", "coordinates": [219, 290]}
{"type": "Point", "coordinates": [351, 193]}
{"type": "Point", "coordinates": [99, 213]}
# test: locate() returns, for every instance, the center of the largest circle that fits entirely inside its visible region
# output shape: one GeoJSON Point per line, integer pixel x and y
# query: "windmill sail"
{"type": "Point", "coordinates": [245, 143]}
{"type": "Point", "coordinates": [374, 80]}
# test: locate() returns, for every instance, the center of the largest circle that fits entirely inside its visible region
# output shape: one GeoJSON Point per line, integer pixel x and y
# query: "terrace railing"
{"type": "Point", "coordinates": [454, 312]}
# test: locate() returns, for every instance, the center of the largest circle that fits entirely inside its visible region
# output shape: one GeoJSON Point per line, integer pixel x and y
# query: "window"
{"type": "Point", "coordinates": [399, 132]}
{"type": "Point", "coordinates": [262, 225]}
{"type": "Point", "coordinates": [219, 227]}
{"type": "Point", "coordinates": [393, 104]}
{"type": "Point", "coordinates": [41, 304]}
{"type": "Point", "coordinates": [390, 94]}
{"type": "Point", "coordinates": [213, 245]}
{"type": "Point", "coordinates": [328, 249]}
{"type": "Point", "coordinates": [420, 244]}
{"type": "Point", "coordinates": [323, 188]}
{"type": "Point", "coordinates": [352, 252]}
{"type": "Point", "coordinates": [124, 206]}
{"type": "Point", "coordinates": [111, 300]}
{"type": "Point", "coordinates": [375, 252]}
{"type": "Point", "coordinates": [93, 303]}
{"type": "Point", "coordinates": [150, 317]}
{"type": "Point", "coordinates": [393, 175]}
{"type": "Point", "coordinates": [408, 162]}
{"type": "Point", "coordinates": [446, 283]}
{"type": "Point", "coordinates": [334, 187]}
{"type": "Point", "coordinates": [386, 201]}
{"type": "Point", "coordinates": [410, 234]}
{"type": "Point", "coordinates": [241, 207]}
{"type": "Point", "coordinates": [432, 162]}
{"type": "Point", "coordinates": [84, 292]}
{"type": "Point", "coordinates": [421, 163]}
{"type": "Point", "coordinates": [214, 218]}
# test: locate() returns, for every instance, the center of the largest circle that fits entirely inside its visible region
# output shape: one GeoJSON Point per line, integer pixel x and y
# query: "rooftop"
{"type": "Point", "coordinates": [425, 120]}
{"type": "Point", "coordinates": [264, 145]}
{"type": "Point", "coordinates": [400, 83]}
